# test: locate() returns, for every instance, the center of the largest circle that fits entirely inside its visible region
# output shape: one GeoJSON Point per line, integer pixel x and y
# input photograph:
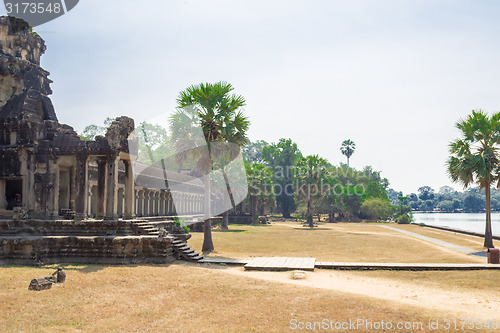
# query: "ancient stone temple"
{"type": "Point", "coordinates": [46, 168]}
{"type": "Point", "coordinates": [48, 175]}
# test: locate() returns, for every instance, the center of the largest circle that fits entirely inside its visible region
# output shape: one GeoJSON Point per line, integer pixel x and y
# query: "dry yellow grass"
{"type": "Point", "coordinates": [176, 298]}
{"type": "Point", "coordinates": [187, 298]}
{"type": "Point", "coordinates": [472, 281]}
{"type": "Point", "coordinates": [344, 242]}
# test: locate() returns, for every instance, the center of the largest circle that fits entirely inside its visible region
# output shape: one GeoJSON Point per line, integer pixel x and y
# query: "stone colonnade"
{"type": "Point", "coordinates": [107, 187]}
{"type": "Point", "coordinates": [147, 202]}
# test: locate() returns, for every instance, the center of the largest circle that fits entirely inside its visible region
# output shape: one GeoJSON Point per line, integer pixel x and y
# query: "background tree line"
{"type": "Point", "coordinates": [345, 194]}
{"type": "Point", "coordinates": [448, 200]}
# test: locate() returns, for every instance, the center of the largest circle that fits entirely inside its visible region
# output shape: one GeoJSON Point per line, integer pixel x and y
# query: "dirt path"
{"type": "Point", "coordinates": [465, 304]}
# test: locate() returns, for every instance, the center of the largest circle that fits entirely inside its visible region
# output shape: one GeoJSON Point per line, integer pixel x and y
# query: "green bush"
{"type": "Point", "coordinates": [376, 208]}
{"type": "Point", "coordinates": [403, 219]}
{"type": "Point", "coordinates": [179, 223]}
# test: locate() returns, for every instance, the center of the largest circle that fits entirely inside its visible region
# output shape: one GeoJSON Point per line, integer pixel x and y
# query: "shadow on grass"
{"type": "Point", "coordinates": [483, 254]}
{"type": "Point", "coordinates": [230, 230]}
{"type": "Point", "coordinates": [311, 229]}
{"type": "Point", "coordinates": [82, 268]}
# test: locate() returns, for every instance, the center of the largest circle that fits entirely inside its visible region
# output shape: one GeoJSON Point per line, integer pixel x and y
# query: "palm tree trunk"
{"type": "Point", "coordinates": [310, 221]}
{"type": "Point", "coordinates": [255, 212]}
{"type": "Point", "coordinates": [488, 238]}
{"type": "Point", "coordinates": [225, 221]}
{"type": "Point", "coordinates": [208, 245]}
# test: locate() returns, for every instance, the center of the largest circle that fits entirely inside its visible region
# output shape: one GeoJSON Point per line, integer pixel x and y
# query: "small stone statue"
{"type": "Point", "coordinates": [60, 275]}
{"type": "Point", "coordinates": [162, 232]}
{"type": "Point", "coordinates": [46, 282]}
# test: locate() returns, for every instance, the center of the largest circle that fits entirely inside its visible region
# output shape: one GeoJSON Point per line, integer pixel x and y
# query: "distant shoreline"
{"type": "Point", "coordinates": [460, 231]}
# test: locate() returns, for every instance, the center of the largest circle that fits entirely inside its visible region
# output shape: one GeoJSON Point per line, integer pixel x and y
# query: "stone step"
{"type": "Point", "coordinates": [182, 248]}
{"type": "Point", "coordinates": [192, 254]}
{"type": "Point", "coordinates": [197, 258]}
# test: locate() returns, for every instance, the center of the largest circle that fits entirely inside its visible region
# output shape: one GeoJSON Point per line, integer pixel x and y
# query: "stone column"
{"type": "Point", "coordinates": [101, 188]}
{"type": "Point", "coordinates": [161, 209]}
{"type": "Point", "coordinates": [140, 203]}
{"type": "Point", "coordinates": [73, 186]}
{"type": "Point", "coordinates": [112, 187]}
{"type": "Point", "coordinates": [147, 204]}
{"type": "Point", "coordinates": [169, 199]}
{"type": "Point", "coordinates": [136, 198]}
{"type": "Point", "coordinates": [89, 199]}
{"type": "Point", "coordinates": [157, 203]}
{"type": "Point", "coordinates": [53, 195]}
{"type": "Point", "coordinates": [23, 158]}
{"type": "Point", "coordinates": [129, 209]}
{"type": "Point", "coordinates": [81, 187]}
{"type": "Point", "coordinates": [2, 194]}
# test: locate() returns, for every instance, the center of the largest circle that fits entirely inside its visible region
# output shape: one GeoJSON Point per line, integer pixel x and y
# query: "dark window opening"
{"type": "Point", "coordinates": [13, 193]}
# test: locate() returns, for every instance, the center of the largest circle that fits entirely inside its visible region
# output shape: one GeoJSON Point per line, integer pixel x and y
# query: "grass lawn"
{"type": "Point", "coordinates": [344, 242]}
{"type": "Point", "coordinates": [176, 298]}
{"type": "Point", "coordinates": [198, 298]}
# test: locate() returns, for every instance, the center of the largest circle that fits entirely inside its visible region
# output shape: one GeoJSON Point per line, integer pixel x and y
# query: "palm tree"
{"type": "Point", "coordinates": [311, 172]}
{"type": "Point", "coordinates": [474, 158]}
{"type": "Point", "coordinates": [218, 113]}
{"type": "Point", "coordinates": [347, 148]}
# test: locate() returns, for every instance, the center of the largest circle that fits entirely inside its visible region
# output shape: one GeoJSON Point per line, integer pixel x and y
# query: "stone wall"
{"type": "Point", "coordinates": [86, 249]}
{"type": "Point", "coordinates": [67, 227]}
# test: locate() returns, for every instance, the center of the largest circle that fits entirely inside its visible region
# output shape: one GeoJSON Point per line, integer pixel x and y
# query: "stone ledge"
{"type": "Point", "coordinates": [97, 249]}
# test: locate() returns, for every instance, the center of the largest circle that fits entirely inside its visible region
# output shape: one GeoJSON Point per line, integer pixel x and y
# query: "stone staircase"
{"type": "Point", "coordinates": [146, 228]}
{"type": "Point", "coordinates": [183, 251]}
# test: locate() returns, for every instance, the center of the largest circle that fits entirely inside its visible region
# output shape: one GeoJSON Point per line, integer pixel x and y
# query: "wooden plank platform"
{"type": "Point", "coordinates": [404, 266]}
{"type": "Point", "coordinates": [223, 261]}
{"type": "Point", "coordinates": [280, 264]}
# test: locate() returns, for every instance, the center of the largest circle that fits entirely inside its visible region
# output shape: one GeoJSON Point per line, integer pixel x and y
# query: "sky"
{"type": "Point", "coordinates": [393, 76]}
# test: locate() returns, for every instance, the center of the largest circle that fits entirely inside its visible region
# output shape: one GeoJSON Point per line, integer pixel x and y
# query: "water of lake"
{"type": "Point", "coordinates": [465, 221]}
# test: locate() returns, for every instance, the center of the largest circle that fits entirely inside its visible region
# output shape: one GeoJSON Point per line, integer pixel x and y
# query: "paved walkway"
{"type": "Point", "coordinates": [309, 264]}
{"type": "Point", "coordinates": [439, 242]}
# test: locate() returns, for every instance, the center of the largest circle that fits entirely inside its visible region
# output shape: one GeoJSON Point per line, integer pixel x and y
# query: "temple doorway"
{"type": "Point", "coordinates": [13, 193]}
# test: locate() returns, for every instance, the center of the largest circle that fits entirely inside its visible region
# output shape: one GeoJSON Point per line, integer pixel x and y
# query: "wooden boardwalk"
{"type": "Point", "coordinates": [281, 264]}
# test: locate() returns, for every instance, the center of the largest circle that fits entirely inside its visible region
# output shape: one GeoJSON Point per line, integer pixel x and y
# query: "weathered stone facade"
{"type": "Point", "coordinates": [66, 199]}
{"type": "Point", "coordinates": [48, 170]}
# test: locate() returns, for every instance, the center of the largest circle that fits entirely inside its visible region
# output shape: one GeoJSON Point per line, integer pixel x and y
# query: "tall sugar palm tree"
{"type": "Point", "coordinates": [212, 107]}
{"type": "Point", "coordinates": [310, 173]}
{"type": "Point", "coordinates": [474, 158]}
{"type": "Point", "coordinates": [347, 148]}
